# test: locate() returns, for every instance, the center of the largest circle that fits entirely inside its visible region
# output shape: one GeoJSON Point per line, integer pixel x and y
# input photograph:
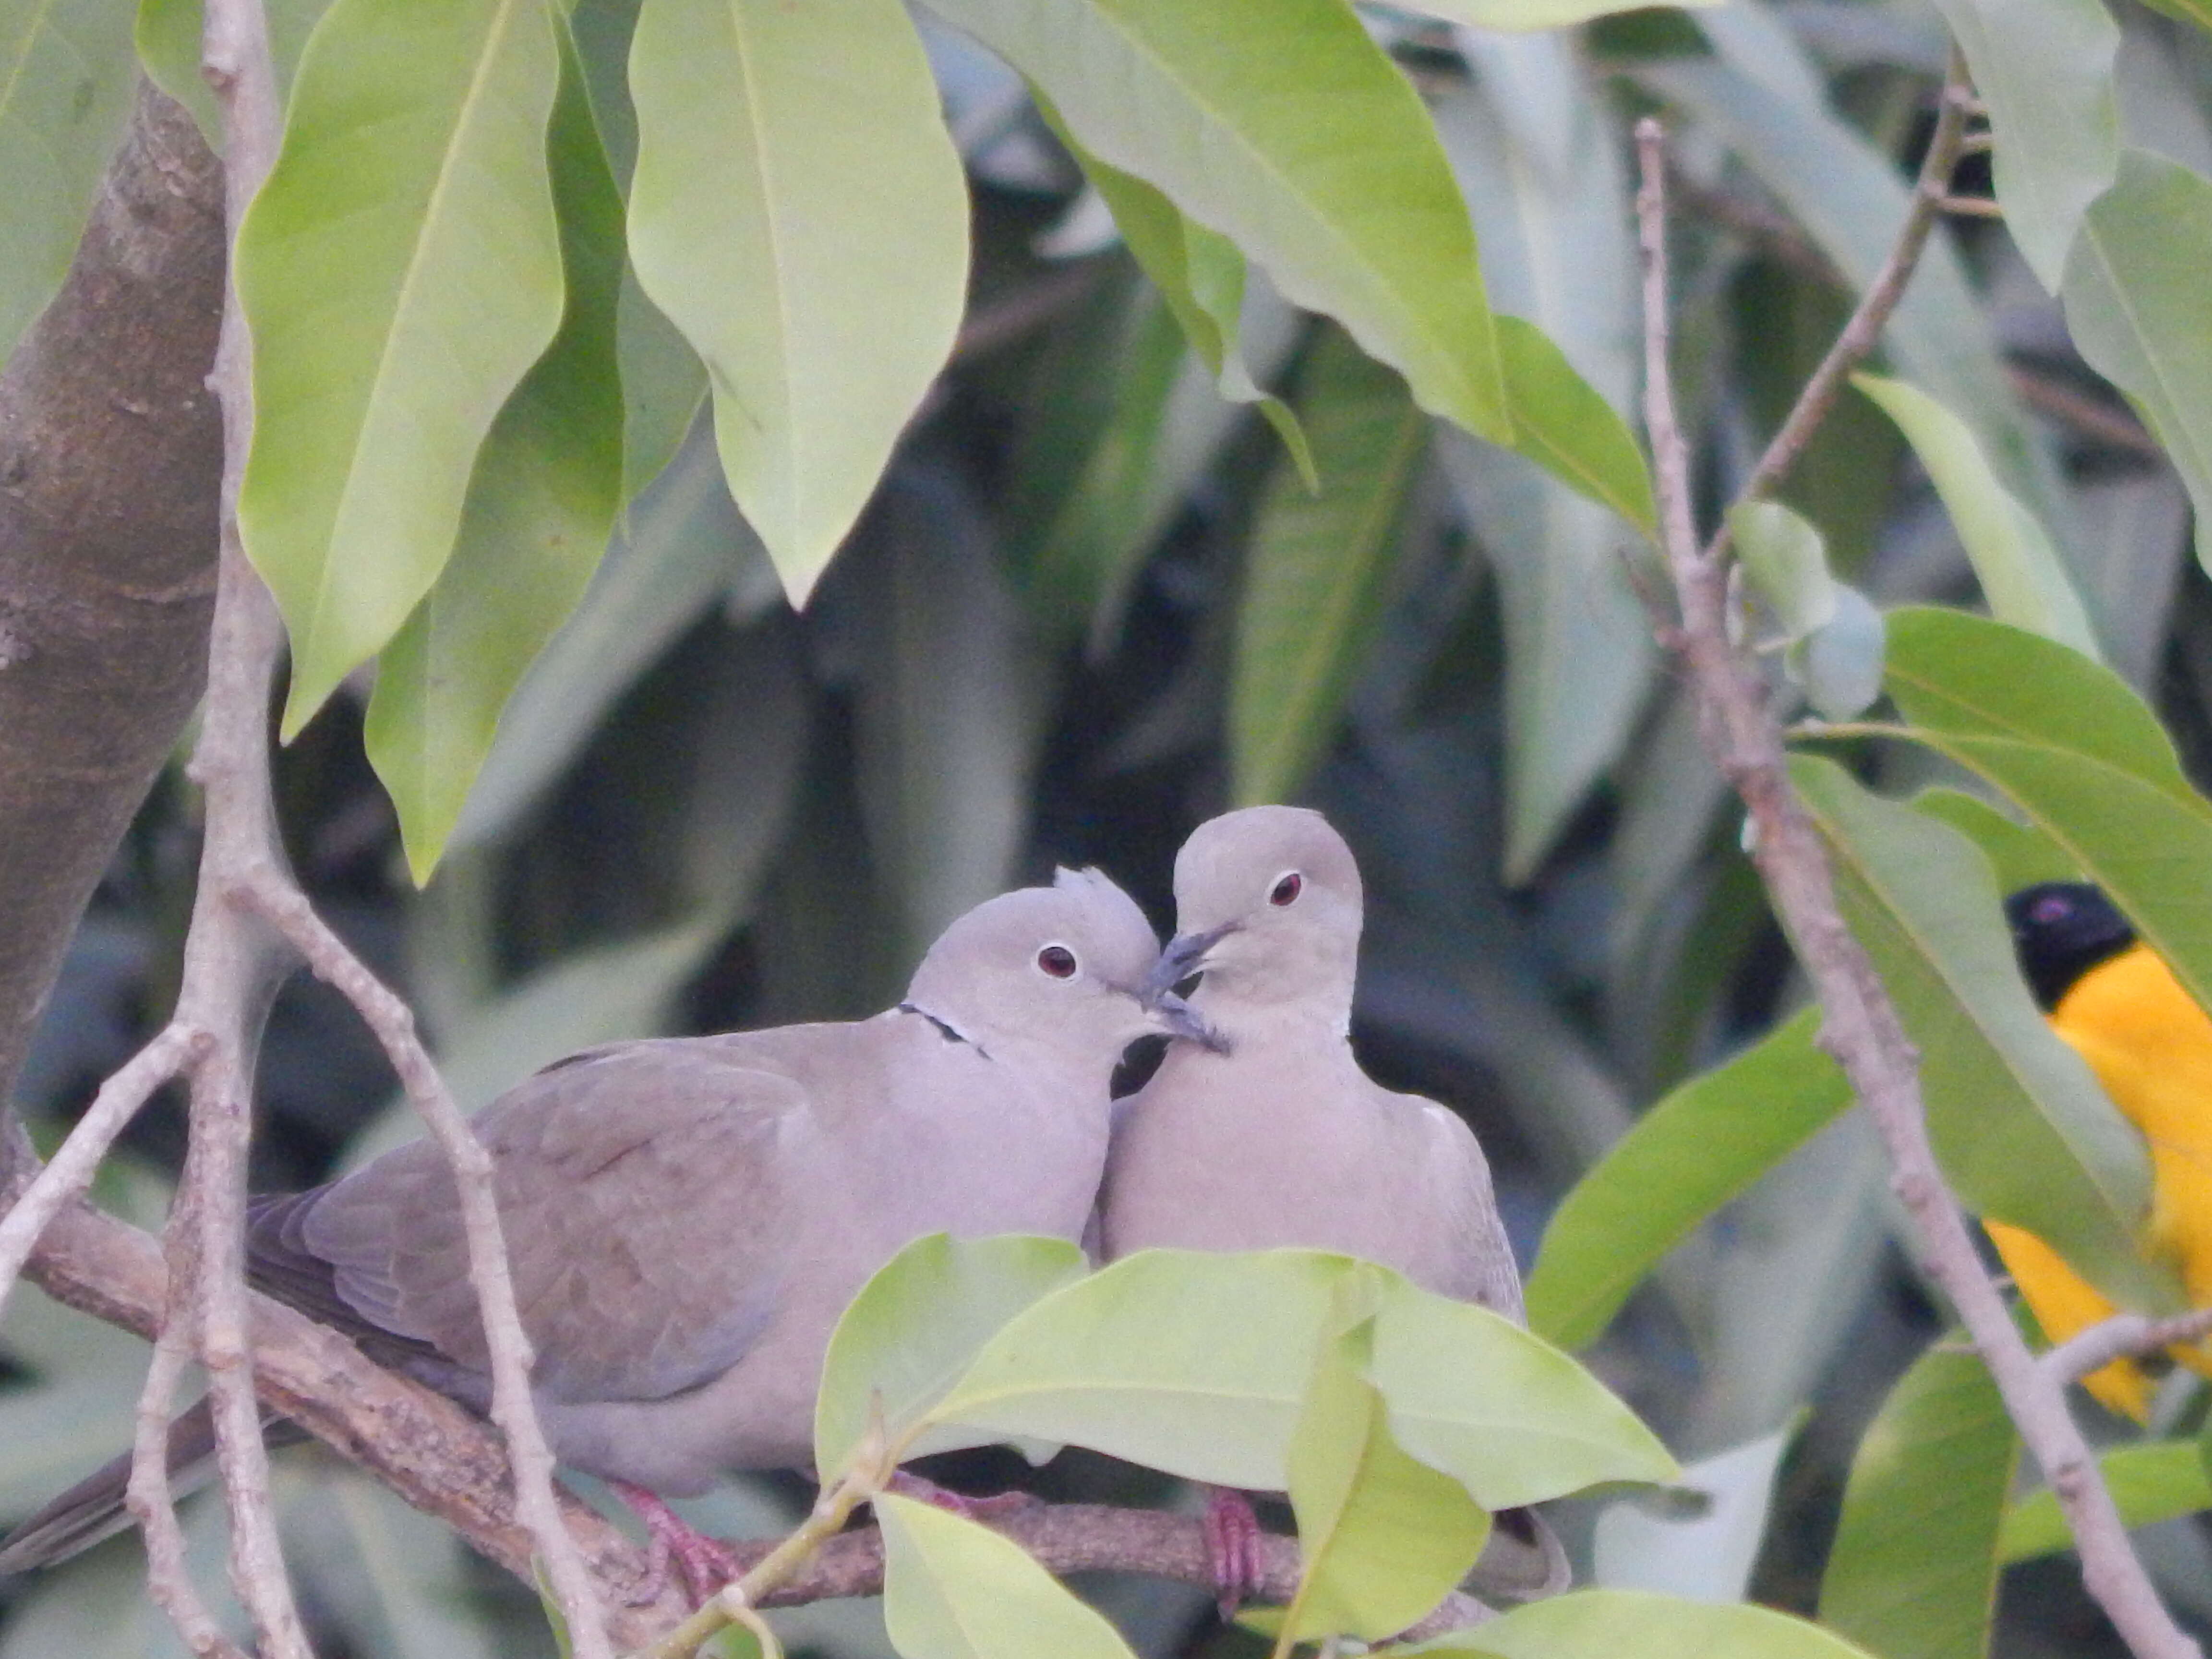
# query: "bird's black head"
{"type": "Point", "coordinates": [2061, 930]}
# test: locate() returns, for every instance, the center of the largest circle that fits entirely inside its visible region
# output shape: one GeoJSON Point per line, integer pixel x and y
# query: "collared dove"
{"type": "Point", "coordinates": [1267, 1132]}
{"type": "Point", "coordinates": [687, 1218]}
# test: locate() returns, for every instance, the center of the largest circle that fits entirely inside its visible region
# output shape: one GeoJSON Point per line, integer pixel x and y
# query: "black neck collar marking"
{"type": "Point", "coordinates": [945, 1028]}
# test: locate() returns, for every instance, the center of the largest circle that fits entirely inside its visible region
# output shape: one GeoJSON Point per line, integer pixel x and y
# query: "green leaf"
{"type": "Point", "coordinates": [2048, 85]}
{"type": "Point", "coordinates": [799, 212]}
{"type": "Point", "coordinates": [1096, 473]}
{"type": "Point", "coordinates": [1561, 423]}
{"type": "Point", "coordinates": [1603, 1624]}
{"type": "Point", "coordinates": [1197, 1363]}
{"type": "Point", "coordinates": [2137, 306]}
{"type": "Point", "coordinates": [1316, 569]}
{"type": "Point", "coordinates": [536, 520]}
{"type": "Point", "coordinates": [1385, 1538]}
{"type": "Point", "coordinates": [1199, 273]}
{"type": "Point", "coordinates": [2018, 1120]}
{"type": "Point", "coordinates": [918, 1324]}
{"type": "Point", "coordinates": [2020, 854]}
{"type": "Point", "coordinates": [1314, 157]}
{"type": "Point", "coordinates": [1704, 1144]}
{"type": "Point", "coordinates": [66, 77]}
{"type": "Point", "coordinates": [2022, 574]}
{"type": "Point", "coordinates": [1533, 142]}
{"type": "Point", "coordinates": [1913, 1571]}
{"type": "Point", "coordinates": [1709, 1554]}
{"type": "Point", "coordinates": [953, 1590]}
{"type": "Point", "coordinates": [1839, 664]}
{"type": "Point", "coordinates": [1512, 1418]}
{"type": "Point", "coordinates": [2080, 754]}
{"type": "Point", "coordinates": [1787, 562]}
{"type": "Point", "coordinates": [1185, 1360]}
{"type": "Point", "coordinates": [2150, 1481]}
{"type": "Point", "coordinates": [401, 269]}
{"type": "Point", "coordinates": [1521, 15]}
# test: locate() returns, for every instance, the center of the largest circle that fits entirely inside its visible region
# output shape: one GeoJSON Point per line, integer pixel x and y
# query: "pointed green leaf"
{"type": "Point", "coordinates": [1603, 1624]}
{"type": "Point", "coordinates": [1315, 156]}
{"type": "Point", "coordinates": [915, 1326]}
{"type": "Point", "coordinates": [663, 387]}
{"type": "Point", "coordinates": [1704, 1144]}
{"type": "Point", "coordinates": [2022, 574]}
{"type": "Point", "coordinates": [1511, 1417]}
{"type": "Point", "coordinates": [536, 520]}
{"type": "Point", "coordinates": [2080, 754]}
{"type": "Point", "coordinates": [1385, 1538]}
{"type": "Point", "coordinates": [1316, 567]}
{"type": "Point", "coordinates": [1199, 273]}
{"type": "Point", "coordinates": [953, 1590]}
{"type": "Point", "coordinates": [1185, 1360]}
{"type": "Point", "coordinates": [2138, 307]}
{"type": "Point", "coordinates": [2151, 1481]}
{"type": "Point", "coordinates": [2048, 85]}
{"type": "Point", "coordinates": [1913, 1571]}
{"type": "Point", "coordinates": [67, 71]}
{"type": "Point", "coordinates": [2017, 1118]}
{"type": "Point", "coordinates": [1561, 423]}
{"type": "Point", "coordinates": [799, 212]}
{"type": "Point", "coordinates": [1787, 562]}
{"type": "Point", "coordinates": [1533, 140]}
{"type": "Point", "coordinates": [401, 270]}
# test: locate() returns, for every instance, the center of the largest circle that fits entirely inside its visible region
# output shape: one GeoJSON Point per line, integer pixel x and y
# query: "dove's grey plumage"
{"type": "Point", "coordinates": [1269, 1133]}
{"type": "Point", "coordinates": [1276, 1136]}
{"type": "Point", "coordinates": [687, 1218]}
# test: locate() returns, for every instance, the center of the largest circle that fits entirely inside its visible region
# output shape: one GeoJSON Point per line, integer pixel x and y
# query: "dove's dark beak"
{"type": "Point", "coordinates": [1185, 956]}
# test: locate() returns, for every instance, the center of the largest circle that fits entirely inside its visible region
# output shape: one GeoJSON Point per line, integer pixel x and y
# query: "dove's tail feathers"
{"type": "Point", "coordinates": [93, 1510]}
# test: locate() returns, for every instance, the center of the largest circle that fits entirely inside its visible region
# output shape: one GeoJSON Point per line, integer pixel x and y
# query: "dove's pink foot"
{"type": "Point", "coordinates": [704, 1563]}
{"type": "Point", "coordinates": [986, 1509]}
{"type": "Point", "coordinates": [1232, 1549]}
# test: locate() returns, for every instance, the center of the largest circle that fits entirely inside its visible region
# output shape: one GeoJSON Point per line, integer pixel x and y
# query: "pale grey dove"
{"type": "Point", "coordinates": [1270, 1133]}
{"type": "Point", "coordinates": [688, 1216]}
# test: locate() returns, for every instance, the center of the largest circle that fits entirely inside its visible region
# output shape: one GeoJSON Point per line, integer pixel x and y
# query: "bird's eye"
{"type": "Point", "coordinates": [2051, 908]}
{"type": "Point", "coordinates": [1058, 961]}
{"type": "Point", "coordinates": [1286, 890]}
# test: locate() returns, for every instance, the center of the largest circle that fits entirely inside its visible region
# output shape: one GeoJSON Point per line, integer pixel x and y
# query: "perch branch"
{"type": "Point", "coordinates": [2123, 1336]}
{"type": "Point", "coordinates": [1860, 1025]}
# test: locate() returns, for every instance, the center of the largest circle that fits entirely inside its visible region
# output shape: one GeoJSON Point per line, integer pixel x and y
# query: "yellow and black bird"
{"type": "Point", "coordinates": [2116, 1002]}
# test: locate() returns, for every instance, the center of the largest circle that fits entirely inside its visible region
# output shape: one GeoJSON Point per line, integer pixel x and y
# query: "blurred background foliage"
{"type": "Point", "coordinates": [1093, 603]}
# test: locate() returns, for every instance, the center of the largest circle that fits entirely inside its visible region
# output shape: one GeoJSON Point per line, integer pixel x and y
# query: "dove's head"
{"type": "Point", "coordinates": [1068, 966]}
{"type": "Point", "coordinates": [1268, 906]}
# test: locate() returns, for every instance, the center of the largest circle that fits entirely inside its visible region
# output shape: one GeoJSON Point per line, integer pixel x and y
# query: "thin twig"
{"type": "Point", "coordinates": [2089, 417]}
{"type": "Point", "coordinates": [1862, 332]}
{"type": "Point", "coordinates": [1860, 1027]}
{"type": "Point", "coordinates": [2123, 1336]}
{"type": "Point", "coordinates": [1971, 207]}
{"type": "Point", "coordinates": [149, 1497]}
{"type": "Point", "coordinates": [506, 1344]}
{"type": "Point", "coordinates": [69, 1174]}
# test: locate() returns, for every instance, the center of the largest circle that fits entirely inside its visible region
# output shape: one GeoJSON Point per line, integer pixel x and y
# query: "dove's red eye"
{"type": "Point", "coordinates": [1286, 890]}
{"type": "Point", "coordinates": [1057, 960]}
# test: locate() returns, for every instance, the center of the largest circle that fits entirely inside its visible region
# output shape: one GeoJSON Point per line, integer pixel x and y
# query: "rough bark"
{"type": "Point", "coordinates": [110, 452]}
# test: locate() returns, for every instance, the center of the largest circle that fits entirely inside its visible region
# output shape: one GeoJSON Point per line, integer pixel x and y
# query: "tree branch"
{"type": "Point", "coordinates": [1862, 332]}
{"type": "Point", "coordinates": [109, 449]}
{"type": "Point", "coordinates": [1860, 1025]}
{"type": "Point", "coordinates": [2124, 1336]}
